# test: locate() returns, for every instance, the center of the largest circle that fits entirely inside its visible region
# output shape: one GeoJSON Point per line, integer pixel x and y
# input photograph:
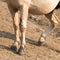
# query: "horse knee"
{"type": "Point", "coordinates": [16, 24]}
{"type": "Point", "coordinates": [16, 27]}
{"type": "Point", "coordinates": [23, 27]}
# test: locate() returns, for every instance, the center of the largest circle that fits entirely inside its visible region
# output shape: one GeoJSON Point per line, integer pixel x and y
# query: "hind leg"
{"type": "Point", "coordinates": [53, 23]}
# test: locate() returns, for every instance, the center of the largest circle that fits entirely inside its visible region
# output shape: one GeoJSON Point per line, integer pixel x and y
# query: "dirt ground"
{"type": "Point", "coordinates": [50, 50]}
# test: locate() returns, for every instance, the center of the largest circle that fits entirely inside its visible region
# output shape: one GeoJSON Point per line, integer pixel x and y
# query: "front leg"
{"type": "Point", "coordinates": [16, 22]}
{"type": "Point", "coordinates": [23, 25]}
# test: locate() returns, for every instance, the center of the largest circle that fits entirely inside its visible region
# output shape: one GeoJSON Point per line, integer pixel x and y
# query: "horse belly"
{"type": "Point", "coordinates": [35, 10]}
{"type": "Point", "coordinates": [43, 6]}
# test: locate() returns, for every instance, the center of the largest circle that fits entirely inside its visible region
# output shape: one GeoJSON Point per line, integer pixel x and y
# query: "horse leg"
{"type": "Point", "coordinates": [23, 26]}
{"type": "Point", "coordinates": [16, 20]}
{"type": "Point", "coordinates": [17, 33]}
{"type": "Point", "coordinates": [53, 23]}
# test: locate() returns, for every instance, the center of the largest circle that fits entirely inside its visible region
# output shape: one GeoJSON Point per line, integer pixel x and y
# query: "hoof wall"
{"type": "Point", "coordinates": [21, 51]}
{"type": "Point", "coordinates": [14, 48]}
{"type": "Point", "coordinates": [41, 41]}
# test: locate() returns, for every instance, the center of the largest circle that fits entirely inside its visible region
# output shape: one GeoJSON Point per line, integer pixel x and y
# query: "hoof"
{"type": "Point", "coordinates": [14, 48]}
{"type": "Point", "coordinates": [41, 41]}
{"type": "Point", "coordinates": [21, 51]}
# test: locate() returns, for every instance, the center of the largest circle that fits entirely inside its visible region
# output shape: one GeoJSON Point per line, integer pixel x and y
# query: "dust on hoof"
{"type": "Point", "coordinates": [21, 51]}
{"type": "Point", "coordinates": [14, 48]}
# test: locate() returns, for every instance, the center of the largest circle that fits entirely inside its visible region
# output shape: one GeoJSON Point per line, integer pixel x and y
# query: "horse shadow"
{"type": "Point", "coordinates": [12, 36]}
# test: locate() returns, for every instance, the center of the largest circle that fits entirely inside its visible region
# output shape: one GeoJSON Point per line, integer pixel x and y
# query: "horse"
{"type": "Point", "coordinates": [20, 9]}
